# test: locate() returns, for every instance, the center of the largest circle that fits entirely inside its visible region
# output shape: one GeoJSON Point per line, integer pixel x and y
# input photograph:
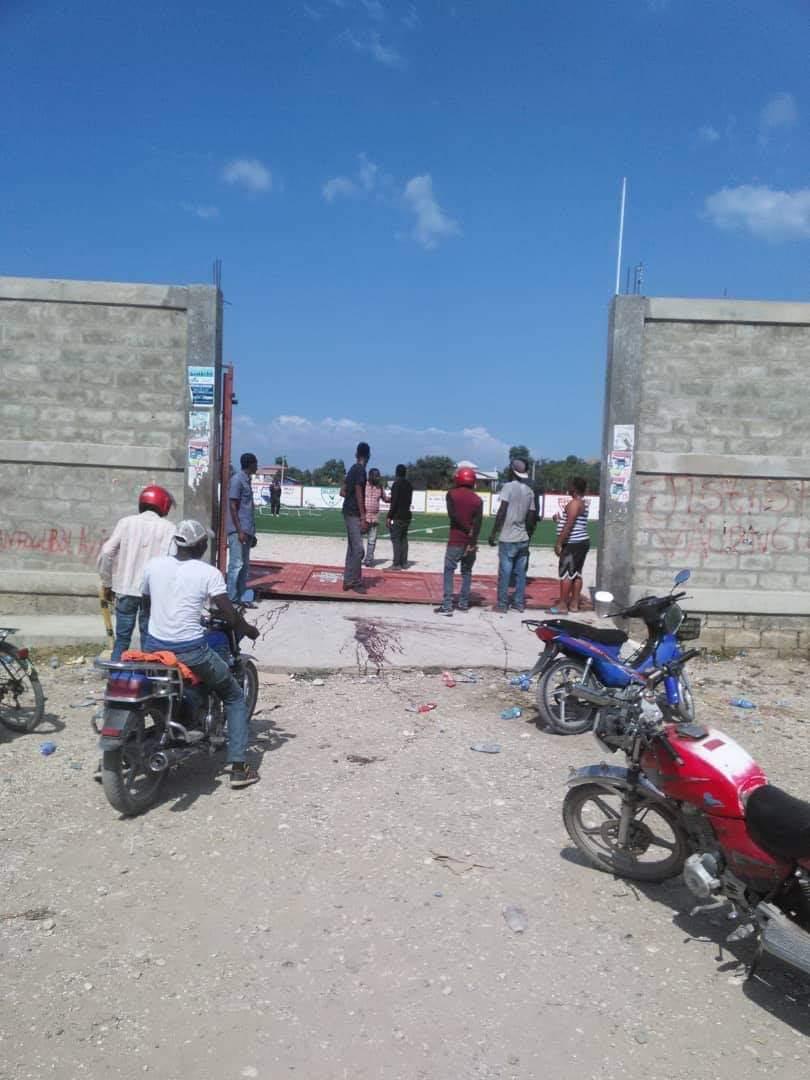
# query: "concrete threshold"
{"type": "Point", "coordinates": [312, 635]}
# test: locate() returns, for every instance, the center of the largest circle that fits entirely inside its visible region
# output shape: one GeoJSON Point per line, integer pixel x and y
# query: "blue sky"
{"type": "Point", "coordinates": [415, 203]}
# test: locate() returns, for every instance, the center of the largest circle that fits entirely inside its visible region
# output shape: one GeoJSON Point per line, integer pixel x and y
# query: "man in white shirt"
{"type": "Point", "coordinates": [179, 586]}
{"type": "Point", "coordinates": [135, 540]}
{"type": "Point", "coordinates": [513, 528]}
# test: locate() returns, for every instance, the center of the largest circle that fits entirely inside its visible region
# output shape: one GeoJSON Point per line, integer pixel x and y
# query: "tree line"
{"type": "Point", "coordinates": [435, 472]}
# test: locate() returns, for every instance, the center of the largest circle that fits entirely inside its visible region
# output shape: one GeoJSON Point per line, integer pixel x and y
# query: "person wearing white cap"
{"type": "Point", "coordinates": [514, 524]}
{"type": "Point", "coordinates": [179, 587]}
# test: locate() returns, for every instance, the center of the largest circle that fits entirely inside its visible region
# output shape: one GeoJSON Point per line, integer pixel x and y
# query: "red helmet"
{"type": "Point", "coordinates": [465, 477]}
{"type": "Point", "coordinates": [157, 499]}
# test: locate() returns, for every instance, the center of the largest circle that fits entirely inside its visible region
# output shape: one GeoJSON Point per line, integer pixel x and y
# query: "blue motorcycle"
{"type": "Point", "coordinates": [577, 654]}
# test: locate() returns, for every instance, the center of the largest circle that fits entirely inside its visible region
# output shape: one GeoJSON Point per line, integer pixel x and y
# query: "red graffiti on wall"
{"type": "Point", "coordinates": [725, 515]}
{"type": "Point", "coordinates": [55, 542]}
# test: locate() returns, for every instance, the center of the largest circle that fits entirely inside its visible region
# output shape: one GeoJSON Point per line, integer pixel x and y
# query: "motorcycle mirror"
{"type": "Point", "coordinates": [248, 596]}
{"type": "Point", "coordinates": [602, 601]}
{"type": "Point", "coordinates": [682, 576]}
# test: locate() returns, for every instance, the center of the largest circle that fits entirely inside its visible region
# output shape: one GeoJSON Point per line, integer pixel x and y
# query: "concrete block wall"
{"type": "Point", "coordinates": [719, 394]}
{"type": "Point", "coordinates": [95, 406]}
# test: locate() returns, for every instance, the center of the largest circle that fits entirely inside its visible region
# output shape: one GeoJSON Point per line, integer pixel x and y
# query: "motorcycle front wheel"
{"type": "Point", "coordinates": [129, 784]}
{"type": "Point", "coordinates": [22, 702]}
{"type": "Point", "coordinates": [558, 709]}
{"type": "Point", "coordinates": [686, 709]}
{"type": "Point", "coordinates": [657, 844]}
{"type": "Point", "coordinates": [250, 686]}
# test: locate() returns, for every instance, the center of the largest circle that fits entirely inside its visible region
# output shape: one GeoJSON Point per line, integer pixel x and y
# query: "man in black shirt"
{"type": "Point", "coordinates": [354, 503]}
{"type": "Point", "coordinates": [399, 517]}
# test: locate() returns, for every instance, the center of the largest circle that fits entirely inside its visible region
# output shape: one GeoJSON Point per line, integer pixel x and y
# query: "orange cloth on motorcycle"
{"type": "Point", "coordinates": [163, 657]}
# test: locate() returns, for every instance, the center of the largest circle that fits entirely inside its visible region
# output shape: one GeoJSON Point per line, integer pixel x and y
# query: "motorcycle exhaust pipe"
{"type": "Point", "coordinates": [162, 760]}
{"type": "Point", "coordinates": [783, 938]}
{"type": "Point", "coordinates": [591, 697]}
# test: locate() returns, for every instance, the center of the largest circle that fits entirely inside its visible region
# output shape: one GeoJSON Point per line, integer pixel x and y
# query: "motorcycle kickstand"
{"type": "Point", "coordinates": [754, 965]}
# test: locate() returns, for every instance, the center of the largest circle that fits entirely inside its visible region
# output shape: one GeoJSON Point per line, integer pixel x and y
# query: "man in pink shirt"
{"type": "Point", "coordinates": [374, 492]}
{"type": "Point", "coordinates": [135, 540]}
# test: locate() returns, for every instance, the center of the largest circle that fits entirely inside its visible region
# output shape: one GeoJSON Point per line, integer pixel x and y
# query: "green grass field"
{"type": "Point", "coordinates": [424, 526]}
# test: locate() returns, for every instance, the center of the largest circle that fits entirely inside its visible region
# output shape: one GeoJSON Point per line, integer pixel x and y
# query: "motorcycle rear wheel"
{"type": "Point", "coordinates": [130, 786]}
{"type": "Point", "coordinates": [22, 702]}
{"type": "Point", "coordinates": [562, 713]}
{"type": "Point", "coordinates": [591, 816]}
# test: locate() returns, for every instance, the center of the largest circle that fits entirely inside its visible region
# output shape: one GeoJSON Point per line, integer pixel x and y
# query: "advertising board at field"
{"type": "Point", "coordinates": [290, 493]}
{"type": "Point", "coordinates": [322, 498]}
{"type": "Point", "coordinates": [552, 504]}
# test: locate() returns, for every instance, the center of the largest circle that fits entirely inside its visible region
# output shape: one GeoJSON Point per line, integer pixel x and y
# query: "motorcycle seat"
{"type": "Point", "coordinates": [778, 822]}
{"type": "Point", "coordinates": [588, 633]}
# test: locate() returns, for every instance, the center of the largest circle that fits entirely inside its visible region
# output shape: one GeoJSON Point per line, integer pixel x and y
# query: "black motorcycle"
{"type": "Point", "coordinates": [154, 720]}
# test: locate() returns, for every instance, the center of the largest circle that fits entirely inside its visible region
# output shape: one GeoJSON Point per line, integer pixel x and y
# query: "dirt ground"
{"type": "Point", "coordinates": [306, 926]}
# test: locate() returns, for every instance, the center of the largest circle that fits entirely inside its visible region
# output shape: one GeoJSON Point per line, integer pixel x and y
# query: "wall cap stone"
{"type": "Point", "coordinates": [675, 309]}
{"type": "Point", "coordinates": [96, 292]}
{"type": "Point", "coordinates": [102, 454]}
{"type": "Point", "coordinates": [652, 461]}
{"type": "Point", "coordinates": [738, 601]}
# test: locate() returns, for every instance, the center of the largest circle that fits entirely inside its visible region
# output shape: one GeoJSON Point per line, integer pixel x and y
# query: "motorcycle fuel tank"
{"type": "Point", "coordinates": [714, 775]}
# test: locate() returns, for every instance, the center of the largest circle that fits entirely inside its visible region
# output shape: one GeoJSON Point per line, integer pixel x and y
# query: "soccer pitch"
{"type": "Point", "coordinates": [433, 527]}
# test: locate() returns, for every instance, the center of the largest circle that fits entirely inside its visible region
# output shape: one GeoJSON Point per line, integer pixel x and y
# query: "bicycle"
{"type": "Point", "coordinates": [22, 702]}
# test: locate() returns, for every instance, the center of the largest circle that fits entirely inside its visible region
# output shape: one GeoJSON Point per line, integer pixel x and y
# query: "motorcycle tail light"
{"type": "Point", "coordinates": [545, 633]}
{"type": "Point", "coordinates": [127, 684]}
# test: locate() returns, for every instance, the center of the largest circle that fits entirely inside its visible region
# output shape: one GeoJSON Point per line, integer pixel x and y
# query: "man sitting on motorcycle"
{"type": "Point", "coordinates": [179, 587]}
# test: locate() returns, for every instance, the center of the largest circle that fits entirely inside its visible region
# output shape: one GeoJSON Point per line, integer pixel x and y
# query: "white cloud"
{"type": "Point", "coordinates": [308, 443]}
{"type": "Point", "coordinates": [207, 213]}
{"type": "Point", "coordinates": [365, 181]}
{"type": "Point", "coordinates": [248, 173]}
{"type": "Point", "coordinates": [374, 9]}
{"type": "Point", "coordinates": [763, 211]}
{"type": "Point", "coordinates": [779, 113]}
{"type": "Point", "coordinates": [338, 186]}
{"type": "Point", "coordinates": [432, 224]}
{"type": "Point", "coordinates": [371, 45]}
{"type": "Point", "coordinates": [657, 5]}
{"type": "Point", "coordinates": [411, 18]}
{"type": "Point", "coordinates": [708, 134]}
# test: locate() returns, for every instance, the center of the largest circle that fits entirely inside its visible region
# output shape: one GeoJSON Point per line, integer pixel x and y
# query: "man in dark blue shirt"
{"type": "Point", "coordinates": [354, 501]}
{"type": "Point", "coordinates": [241, 527]}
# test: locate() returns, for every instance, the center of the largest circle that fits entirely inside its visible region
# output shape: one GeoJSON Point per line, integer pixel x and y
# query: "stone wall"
{"type": "Point", "coordinates": [718, 393]}
{"type": "Point", "coordinates": [95, 406]}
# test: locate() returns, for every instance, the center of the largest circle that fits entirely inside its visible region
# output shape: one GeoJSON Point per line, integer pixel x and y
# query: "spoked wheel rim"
{"type": "Point", "coordinates": [568, 713]}
{"type": "Point", "coordinates": [21, 698]}
{"type": "Point", "coordinates": [687, 705]}
{"type": "Point", "coordinates": [655, 848]}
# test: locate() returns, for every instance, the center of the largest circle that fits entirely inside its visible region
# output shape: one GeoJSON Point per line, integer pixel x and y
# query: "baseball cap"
{"type": "Point", "coordinates": [519, 468]}
{"type": "Point", "coordinates": [189, 533]}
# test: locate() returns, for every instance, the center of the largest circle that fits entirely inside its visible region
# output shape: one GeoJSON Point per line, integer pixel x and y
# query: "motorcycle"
{"type": "Point", "coordinates": [692, 801]}
{"type": "Point", "coordinates": [154, 720]}
{"type": "Point", "coordinates": [576, 653]}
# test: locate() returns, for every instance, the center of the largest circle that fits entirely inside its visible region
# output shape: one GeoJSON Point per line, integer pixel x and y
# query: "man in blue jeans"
{"type": "Point", "coordinates": [179, 586]}
{"type": "Point", "coordinates": [465, 510]}
{"type": "Point", "coordinates": [241, 527]}
{"type": "Point", "coordinates": [514, 525]}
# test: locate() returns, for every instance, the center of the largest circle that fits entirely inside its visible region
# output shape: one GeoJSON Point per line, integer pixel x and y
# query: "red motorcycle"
{"type": "Point", "coordinates": [692, 801]}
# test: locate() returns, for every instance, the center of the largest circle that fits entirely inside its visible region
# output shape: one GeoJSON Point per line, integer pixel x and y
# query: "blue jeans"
{"type": "Point", "coordinates": [238, 563]}
{"type": "Point", "coordinates": [371, 543]}
{"type": "Point", "coordinates": [216, 676]}
{"type": "Point", "coordinates": [452, 557]}
{"type": "Point", "coordinates": [128, 610]}
{"type": "Point", "coordinates": [353, 572]}
{"type": "Point", "coordinates": [513, 558]}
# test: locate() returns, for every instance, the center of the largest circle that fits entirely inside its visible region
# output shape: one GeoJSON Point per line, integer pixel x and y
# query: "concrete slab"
{"type": "Point", "coordinates": [303, 635]}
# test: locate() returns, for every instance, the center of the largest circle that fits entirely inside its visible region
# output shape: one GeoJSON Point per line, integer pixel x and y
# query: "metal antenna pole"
{"type": "Point", "coordinates": [621, 235]}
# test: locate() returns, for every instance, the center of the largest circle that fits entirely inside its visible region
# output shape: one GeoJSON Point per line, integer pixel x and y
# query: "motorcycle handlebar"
{"type": "Point", "coordinates": [672, 667]}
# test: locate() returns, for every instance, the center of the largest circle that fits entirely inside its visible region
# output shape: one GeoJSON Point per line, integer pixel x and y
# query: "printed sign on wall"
{"type": "Point", "coordinates": [201, 386]}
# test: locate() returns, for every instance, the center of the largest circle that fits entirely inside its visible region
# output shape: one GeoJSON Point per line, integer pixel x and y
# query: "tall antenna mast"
{"type": "Point", "coordinates": [621, 235]}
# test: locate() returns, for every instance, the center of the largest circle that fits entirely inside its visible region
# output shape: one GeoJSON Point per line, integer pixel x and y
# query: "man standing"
{"type": "Point", "coordinates": [465, 510]}
{"type": "Point", "coordinates": [135, 539]}
{"type": "Point", "coordinates": [275, 497]}
{"type": "Point", "coordinates": [514, 525]}
{"type": "Point", "coordinates": [374, 493]}
{"type": "Point", "coordinates": [179, 586]}
{"type": "Point", "coordinates": [241, 527]}
{"type": "Point", "coordinates": [399, 517]}
{"type": "Point", "coordinates": [354, 503]}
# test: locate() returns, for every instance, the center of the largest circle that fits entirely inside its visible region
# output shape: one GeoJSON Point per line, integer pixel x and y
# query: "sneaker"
{"type": "Point", "coordinates": [501, 609]}
{"type": "Point", "coordinates": [442, 610]}
{"type": "Point", "coordinates": [462, 607]}
{"type": "Point", "coordinates": [519, 607]}
{"type": "Point", "coordinates": [242, 775]}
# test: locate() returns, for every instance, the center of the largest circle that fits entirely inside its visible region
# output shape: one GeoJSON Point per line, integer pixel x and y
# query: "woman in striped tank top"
{"type": "Point", "coordinates": [573, 542]}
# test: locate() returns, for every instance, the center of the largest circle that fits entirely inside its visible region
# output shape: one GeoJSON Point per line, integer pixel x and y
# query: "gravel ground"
{"type": "Point", "coordinates": [305, 927]}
